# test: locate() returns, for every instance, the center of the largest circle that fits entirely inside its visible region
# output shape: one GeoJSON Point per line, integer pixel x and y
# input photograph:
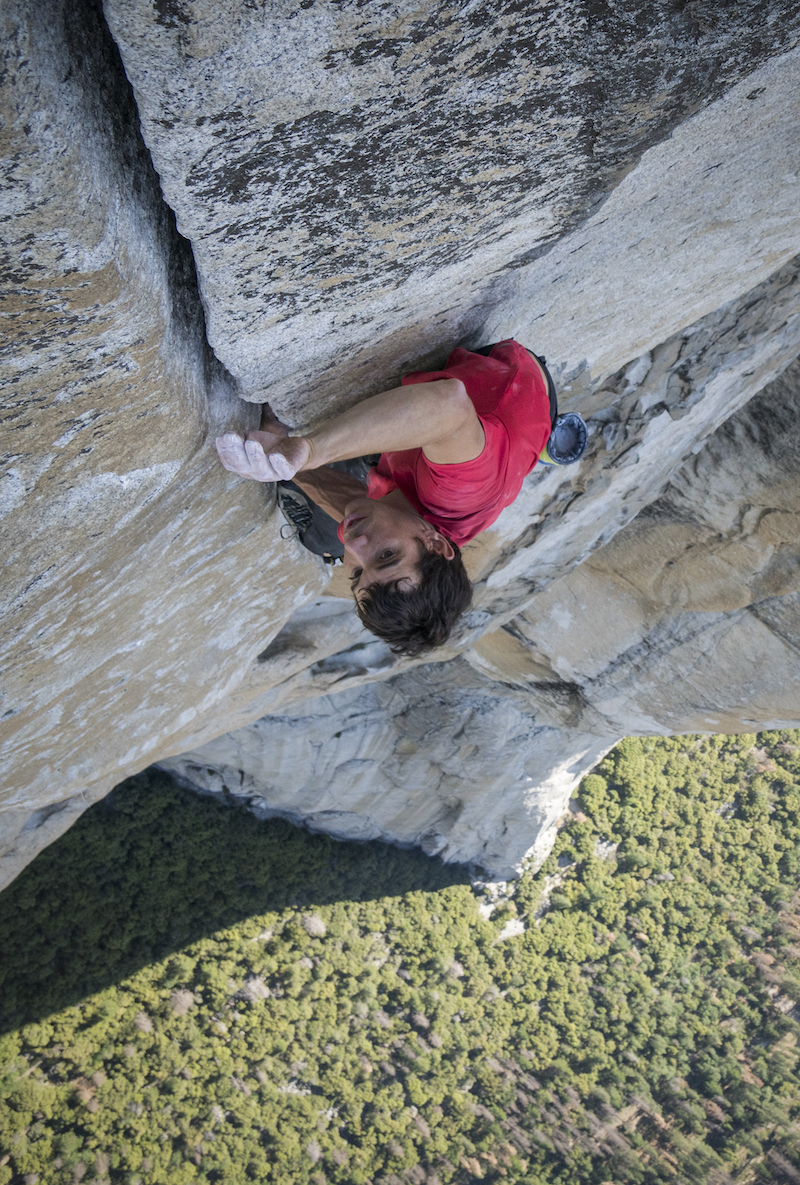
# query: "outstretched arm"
{"type": "Point", "coordinates": [437, 417]}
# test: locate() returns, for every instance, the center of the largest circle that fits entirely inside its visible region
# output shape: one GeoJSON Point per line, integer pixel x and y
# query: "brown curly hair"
{"type": "Point", "coordinates": [422, 618]}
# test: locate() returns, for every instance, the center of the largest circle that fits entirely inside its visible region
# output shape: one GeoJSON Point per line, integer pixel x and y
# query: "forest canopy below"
{"type": "Point", "coordinates": [189, 995]}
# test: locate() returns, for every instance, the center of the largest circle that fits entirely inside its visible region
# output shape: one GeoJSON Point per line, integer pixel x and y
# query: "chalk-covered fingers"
{"type": "Point", "coordinates": [261, 467]}
{"type": "Point", "coordinates": [248, 459]}
{"type": "Point", "coordinates": [286, 457]}
{"type": "Point", "coordinates": [245, 457]}
{"type": "Point", "coordinates": [230, 449]}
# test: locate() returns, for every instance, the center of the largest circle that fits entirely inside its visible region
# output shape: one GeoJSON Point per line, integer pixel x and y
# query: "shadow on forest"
{"type": "Point", "coordinates": [154, 867]}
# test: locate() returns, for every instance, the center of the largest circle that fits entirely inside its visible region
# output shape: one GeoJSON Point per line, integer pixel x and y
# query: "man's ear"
{"type": "Point", "coordinates": [437, 542]}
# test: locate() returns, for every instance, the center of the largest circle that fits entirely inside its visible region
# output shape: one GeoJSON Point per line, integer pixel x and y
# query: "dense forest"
{"type": "Point", "coordinates": [189, 995]}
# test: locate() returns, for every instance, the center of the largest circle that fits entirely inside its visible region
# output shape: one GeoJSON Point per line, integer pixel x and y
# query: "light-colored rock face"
{"type": "Point", "coordinates": [361, 187]}
{"type": "Point", "coordinates": [439, 757]}
{"type": "Point", "coordinates": [644, 421]}
{"type": "Point", "coordinates": [361, 184]}
{"type": "Point", "coordinates": [122, 538]}
{"type": "Point", "coordinates": [687, 621]}
{"type": "Point", "coordinates": [693, 226]}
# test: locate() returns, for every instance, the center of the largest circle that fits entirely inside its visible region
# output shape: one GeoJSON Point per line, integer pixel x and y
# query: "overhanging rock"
{"type": "Point", "coordinates": [363, 186]}
{"type": "Point", "coordinates": [360, 188]}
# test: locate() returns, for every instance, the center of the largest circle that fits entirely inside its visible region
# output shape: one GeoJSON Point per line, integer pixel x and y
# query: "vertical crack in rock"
{"type": "Point", "coordinates": [361, 186]}
{"type": "Point", "coordinates": [121, 532]}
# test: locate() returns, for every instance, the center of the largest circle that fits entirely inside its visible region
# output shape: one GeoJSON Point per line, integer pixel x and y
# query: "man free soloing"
{"type": "Point", "coordinates": [454, 445]}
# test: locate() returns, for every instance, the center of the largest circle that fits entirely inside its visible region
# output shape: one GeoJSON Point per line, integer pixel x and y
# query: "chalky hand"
{"type": "Point", "coordinates": [249, 459]}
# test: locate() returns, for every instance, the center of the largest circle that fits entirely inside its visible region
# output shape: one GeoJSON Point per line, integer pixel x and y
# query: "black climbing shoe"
{"type": "Point", "coordinates": [295, 507]}
{"type": "Point", "coordinates": [315, 529]}
{"type": "Point", "coordinates": [567, 442]}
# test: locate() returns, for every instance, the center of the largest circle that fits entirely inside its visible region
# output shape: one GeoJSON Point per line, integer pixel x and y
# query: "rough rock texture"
{"type": "Point", "coordinates": [644, 421]}
{"type": "Point", "coordinates": [653, 413]}
{"type": "Point", "coordinates": [122, 537]}
{"type": "Point", "coordinates": [687, 621]}
{"type": "Point", "coordinates": [362, 186]}
{"type": "Point", "coordinates": [439, 757]}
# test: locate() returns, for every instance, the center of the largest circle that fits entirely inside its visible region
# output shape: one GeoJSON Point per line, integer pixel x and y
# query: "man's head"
{"type": "Point", "coordinates": [408, 579]}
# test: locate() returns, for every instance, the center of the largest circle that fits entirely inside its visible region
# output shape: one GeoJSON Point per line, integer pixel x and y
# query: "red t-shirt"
{"type": "Point", "coordinates": [509, 394]}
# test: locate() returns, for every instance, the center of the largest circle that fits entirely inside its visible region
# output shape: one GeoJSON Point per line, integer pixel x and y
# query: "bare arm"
{"type": "Point", "coordinates": [437, 417]}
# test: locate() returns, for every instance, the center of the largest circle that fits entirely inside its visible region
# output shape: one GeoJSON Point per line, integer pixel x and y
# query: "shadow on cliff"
{"type": "Point", "coordinates": [154, 867]}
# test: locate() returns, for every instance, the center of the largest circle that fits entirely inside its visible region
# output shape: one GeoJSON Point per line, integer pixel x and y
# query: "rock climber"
{"type": "Point", "coordinates": [450, 450]}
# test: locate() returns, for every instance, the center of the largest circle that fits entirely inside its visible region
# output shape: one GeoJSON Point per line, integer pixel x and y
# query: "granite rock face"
{"type": "Point", "coordinates": [687, 621]}
{"type": "Point", "coordinates": [363, 185]}
{"type": "Point", "coordinates": [439, 757]}
{"type": "Point", "coordinates": [359, 188]}
{"type": "Point", "coordinates": [122, 537]}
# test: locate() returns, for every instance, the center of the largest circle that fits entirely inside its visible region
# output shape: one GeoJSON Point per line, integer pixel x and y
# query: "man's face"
{"type": "Point", "coordinates": [383, 543]}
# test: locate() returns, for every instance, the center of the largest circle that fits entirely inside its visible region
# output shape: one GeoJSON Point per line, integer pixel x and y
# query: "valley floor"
{"type": "Point", "coordinates": [190, 995]}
